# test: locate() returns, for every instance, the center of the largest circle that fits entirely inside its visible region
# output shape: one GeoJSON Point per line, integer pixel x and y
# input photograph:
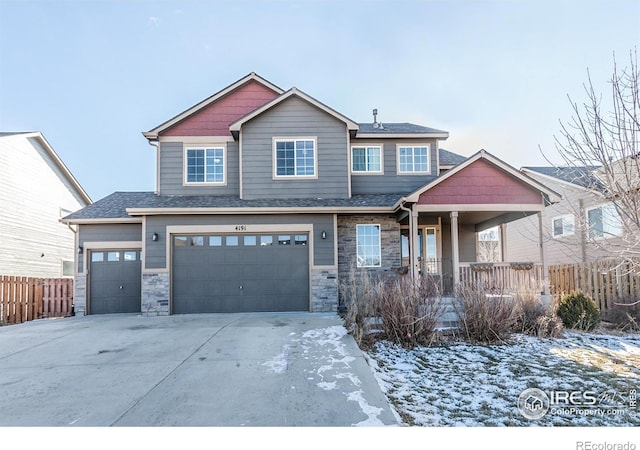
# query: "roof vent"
{"type": "Point", "coordinates": [376, 124]}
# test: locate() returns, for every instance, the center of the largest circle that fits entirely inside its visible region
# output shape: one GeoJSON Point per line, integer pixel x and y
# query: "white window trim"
{"type": "Point", "coordinates": [276, 139]}
{"type": "Point", "coordinates": [188, 147]}
{"type": "Point", "coordinates": [553, 229]}
{"type": "Point", "coordinates": [399, 172]}
{"type": "Point", "coordinates": [604, 235]}
{"type": "Point", "coordinates": [365, 172]}
{"type": "Point", "coordinates": [379, 243]}
{"type": "Point", "coordinates": [73, 268]}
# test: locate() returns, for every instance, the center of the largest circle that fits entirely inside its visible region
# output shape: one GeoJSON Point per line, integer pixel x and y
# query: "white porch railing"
{"type": "Point", "coordinates": [503, 277]}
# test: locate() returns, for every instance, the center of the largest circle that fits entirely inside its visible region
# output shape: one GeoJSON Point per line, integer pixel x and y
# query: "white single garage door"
{"type": "Point", "coordinates": [240, 273]}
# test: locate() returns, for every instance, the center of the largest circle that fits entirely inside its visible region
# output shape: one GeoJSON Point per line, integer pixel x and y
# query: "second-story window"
{"type": "Point", "coordinates": [205, 165]}
{"type": "Point", "coordinates": [604, 221]}
{"type": "Point", "coordinates": [366, 159]}
{"type": "Point", "coordinates": [413, 159]}
{"type": "Point", "coordinates": [295, 157]}
{"type": "Point", "coordinates": [563, 225]}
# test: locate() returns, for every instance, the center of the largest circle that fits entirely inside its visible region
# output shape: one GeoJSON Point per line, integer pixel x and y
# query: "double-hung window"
{"type": "Point", "coordinates": [295, 157]}
{"type": "Point", "coordinates": [604, 221]}
{"type": "Point", "coordinates": [413, 159]}
{"type": "Point", "coordinates": [366, 159]}
{"type": "Point", "coordinates": [368, 243]}
{"type": "Point", "coordinates": [205, 165]}
{"type": "Point", "coordinates": [563, 225]}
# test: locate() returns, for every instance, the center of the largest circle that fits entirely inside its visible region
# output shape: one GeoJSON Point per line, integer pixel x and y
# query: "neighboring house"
{"type": "Point", "coordinates": [575, 228]}
{"type": "Point", "coordinates": [36, 191]}
{"type": "Point", "coordinates": [266, 199]}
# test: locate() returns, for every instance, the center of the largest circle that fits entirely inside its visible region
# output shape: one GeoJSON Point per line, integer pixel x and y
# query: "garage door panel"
{"type": "Point", "coordinates": [254, 274]}
{"type": "Point", "coordinates": [114, 281]}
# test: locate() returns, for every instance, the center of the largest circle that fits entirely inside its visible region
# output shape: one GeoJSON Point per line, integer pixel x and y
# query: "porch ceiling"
{"type": "Point", "coordinates": [482, 220]}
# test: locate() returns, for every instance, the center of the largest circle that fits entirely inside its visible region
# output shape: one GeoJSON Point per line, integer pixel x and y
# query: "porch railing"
{"type": "Point", "coordinates": [503, 277]}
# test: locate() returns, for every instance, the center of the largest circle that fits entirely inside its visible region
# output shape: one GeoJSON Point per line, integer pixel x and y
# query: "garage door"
{"type": "Point", "coordinates": [114, 281]}
{"type": "Point", "coordinates": [240, 273]}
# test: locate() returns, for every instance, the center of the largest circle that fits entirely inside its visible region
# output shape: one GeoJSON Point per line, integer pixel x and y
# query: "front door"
{"type": "Point", "coordinates": [428, 249]}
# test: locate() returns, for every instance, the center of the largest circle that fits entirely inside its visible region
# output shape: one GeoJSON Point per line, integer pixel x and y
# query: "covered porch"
{"type": "Point", "coordinates": [441, 224]}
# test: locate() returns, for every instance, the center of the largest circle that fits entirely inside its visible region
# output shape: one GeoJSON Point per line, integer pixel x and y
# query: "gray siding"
{"type": "Point", "coordinates": [390, 181]}
{"type": "Point", "coordinates": [172, 172]}
{"type": "Point", "coordinates": [295, 117]}
{"type": "Point", "coordinates": [117, 232]}
{"type": "Point", "coordinates": [155, 257]}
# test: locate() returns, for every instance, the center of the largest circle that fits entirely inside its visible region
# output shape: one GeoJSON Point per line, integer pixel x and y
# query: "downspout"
{"type": "Point", "coordinates": [411, 237]}
{"type": "Point", "coordinates": [156, 144]}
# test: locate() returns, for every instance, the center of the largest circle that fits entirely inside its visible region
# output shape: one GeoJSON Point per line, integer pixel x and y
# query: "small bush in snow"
{"type": "Point", "coordinates": [359, 291]}
{"type": "Point", "coordinates": [409, 310]}
{"type": "Point", "coordinates": [579, 311]}
{"type": "Point", "coordinates": [485, 318]}
{"type": "Point", "coordinates": [536, 319]}
{"type": "Point", "coordinates": [624, 314]}
{"type": "Point", "coordinates": [397, 308]}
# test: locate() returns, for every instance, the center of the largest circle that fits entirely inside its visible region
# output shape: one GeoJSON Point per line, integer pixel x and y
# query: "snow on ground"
{"type": "Point", "coordinates": [479, 385]}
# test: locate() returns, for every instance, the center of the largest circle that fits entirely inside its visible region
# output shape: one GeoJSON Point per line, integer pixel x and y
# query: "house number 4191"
{"type": "Point", "coordinates": [241, 228]}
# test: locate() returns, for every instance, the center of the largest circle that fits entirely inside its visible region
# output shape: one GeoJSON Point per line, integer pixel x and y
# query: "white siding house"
{"type": "Point", "coordinates": [36, 190]}
{"type": "Point", "coordinates": [572, 228]}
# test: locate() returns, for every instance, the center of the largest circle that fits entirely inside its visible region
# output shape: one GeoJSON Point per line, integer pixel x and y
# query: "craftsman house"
{"type": "Point", "coordinates": [266, 198]}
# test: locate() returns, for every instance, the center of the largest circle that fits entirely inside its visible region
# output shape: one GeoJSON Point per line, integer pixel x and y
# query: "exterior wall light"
{"type": "Point", "coordinates": [154, 237]}
{"type": "Point", "coordinates": [323, 235]}
{"type": "Point", "coordinates": [80, 249]}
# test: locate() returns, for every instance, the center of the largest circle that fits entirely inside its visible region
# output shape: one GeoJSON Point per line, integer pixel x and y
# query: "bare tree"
{"type": "Point", "coordinates": [601, 142]}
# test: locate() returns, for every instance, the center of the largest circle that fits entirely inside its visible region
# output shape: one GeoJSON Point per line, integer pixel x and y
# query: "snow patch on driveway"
{"type": "Point", "coordinates": [326, 346]}
{"type": "Point", "coordinates": [278, 364]}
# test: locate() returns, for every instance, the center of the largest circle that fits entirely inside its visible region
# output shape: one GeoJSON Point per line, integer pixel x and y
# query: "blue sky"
{"type": "Point", "coordinates": [93, 75]}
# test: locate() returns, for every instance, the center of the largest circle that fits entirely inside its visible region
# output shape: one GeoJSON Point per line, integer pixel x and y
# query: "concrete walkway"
{"type": "Point", "coordinates": [295, 369]}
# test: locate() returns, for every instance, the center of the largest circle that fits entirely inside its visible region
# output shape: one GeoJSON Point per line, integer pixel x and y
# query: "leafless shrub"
{"type": "Point", "coordinates": [359, 291]}
{"type": "Point", "coordinates": [624, 314]}
{"type": "Point", "coordinates": [536, 319]}
{"type": "Point", "coordinates": [410, 310]}
{"type": "Point", "coordinates": [399, 309]}
{"type": "Point", "coordinates": [484, 317]}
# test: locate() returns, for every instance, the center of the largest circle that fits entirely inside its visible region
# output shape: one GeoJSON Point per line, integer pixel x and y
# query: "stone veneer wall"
{"type": "Point", "coordinates": [80, 295]}
{"type": "Point", "coordinates": [155, 294]}
{"type": "Point", "coordinates": [324, 290]}
{"type": "Point", "coordinates": [347, 245]}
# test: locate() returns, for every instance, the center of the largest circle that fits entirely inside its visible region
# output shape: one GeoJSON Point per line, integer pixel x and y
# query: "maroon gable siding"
{"type": "Point", "coordinates": [214, 120]}
{"type": "Point", "coordinates": [480, 183]}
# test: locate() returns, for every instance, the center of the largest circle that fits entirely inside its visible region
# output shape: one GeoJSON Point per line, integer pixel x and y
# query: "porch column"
{"type": "Point", "coordinates": [413, 229]}
{"type": "Point", "coordinates": [543, 252]}
{"type": "Point", "coordinates": [455, 250]}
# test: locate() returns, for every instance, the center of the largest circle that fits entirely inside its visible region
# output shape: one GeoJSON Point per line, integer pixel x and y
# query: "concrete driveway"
{"type": "Point", "coordinates": [269, 369]}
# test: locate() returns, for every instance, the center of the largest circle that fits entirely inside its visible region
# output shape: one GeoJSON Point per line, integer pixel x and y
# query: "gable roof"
{"type": "Point", "coordinates": [237, 125]}
{"type": "Point", "coordinates": [552, 196]}
{"type": "Point", "coordinates": [582, 176]}
{"type": "Point", "coordinates": [153, 133]}
{"type": "Point", "coordinates": [404, 129]}
{"type": "Point", "coordinates": [55, 158]}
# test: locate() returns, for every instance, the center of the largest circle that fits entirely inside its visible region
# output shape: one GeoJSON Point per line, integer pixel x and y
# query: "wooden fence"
{"type": "Point", "coordinates": [24, 298]}
{"type": "Point", "coordinates": [503, 277]}
{"type": "Point", "coordinates": [607, 282]}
